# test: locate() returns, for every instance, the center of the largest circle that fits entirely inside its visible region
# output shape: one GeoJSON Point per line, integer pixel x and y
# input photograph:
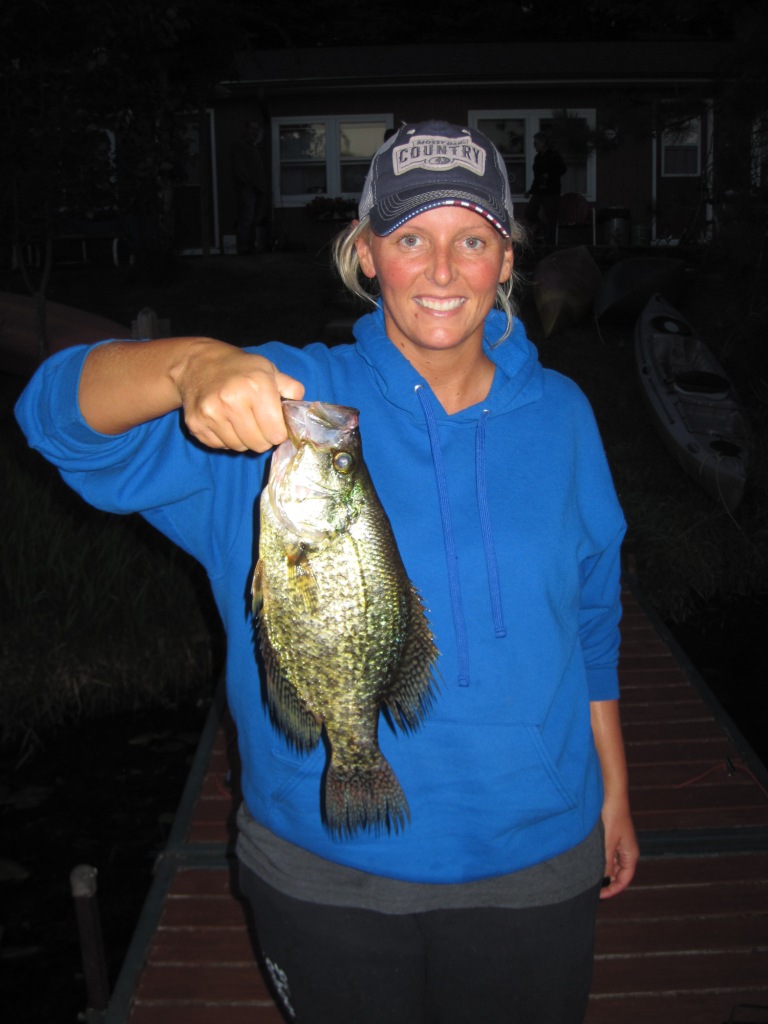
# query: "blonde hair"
{"type": "Point", "coordinates": [347, 263]}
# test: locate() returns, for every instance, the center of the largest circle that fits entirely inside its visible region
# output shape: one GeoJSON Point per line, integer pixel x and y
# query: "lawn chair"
{"type": "Point", "coordinates": [574, 212]}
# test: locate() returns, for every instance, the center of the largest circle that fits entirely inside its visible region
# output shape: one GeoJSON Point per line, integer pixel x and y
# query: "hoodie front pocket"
{"type": "Point", "coordinates": [292, 770]}
{"type": "Point", "coordinates": [498, 777]}
{"type": "Point", "coordinates": [549, 766]}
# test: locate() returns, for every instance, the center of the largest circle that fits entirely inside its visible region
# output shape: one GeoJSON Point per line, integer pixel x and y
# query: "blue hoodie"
{"type": "Point", "coordinates": [508, 524]}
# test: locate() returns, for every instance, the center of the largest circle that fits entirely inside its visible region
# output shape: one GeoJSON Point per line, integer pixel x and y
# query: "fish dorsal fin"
{"type": "Point", "coordinates": [414, 689]}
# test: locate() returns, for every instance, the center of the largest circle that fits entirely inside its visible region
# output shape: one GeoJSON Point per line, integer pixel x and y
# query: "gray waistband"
{"type": "Point", "coordinates": [305, 876]}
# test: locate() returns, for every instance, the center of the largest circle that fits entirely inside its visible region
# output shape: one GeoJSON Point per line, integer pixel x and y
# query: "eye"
{"type": "Point", "coordinates": [474, 243]}
{"type": "Point", "coordinates": [409, 241]}
{"type": "Point", "coordinates": [343, 462]}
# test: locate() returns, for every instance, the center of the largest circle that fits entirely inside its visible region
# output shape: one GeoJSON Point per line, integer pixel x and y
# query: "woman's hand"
{"type": "Point", "coordinates": [622, 851]}
{"type": "Point", "coordinates": [232, 399]}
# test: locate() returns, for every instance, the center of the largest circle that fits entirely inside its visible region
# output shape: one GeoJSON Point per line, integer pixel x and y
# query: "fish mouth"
{"type": "Point", "coordinates": [322, 424]}
{"type": "Point", "coordinates": [323, 427]}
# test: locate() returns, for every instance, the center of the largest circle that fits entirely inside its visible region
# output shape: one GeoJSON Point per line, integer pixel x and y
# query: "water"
{"type": "Point", "coordinates": [727, 646]}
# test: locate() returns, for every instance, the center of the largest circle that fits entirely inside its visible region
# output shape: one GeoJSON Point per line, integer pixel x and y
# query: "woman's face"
{"type": "Point", "coordinates": [437, 275]}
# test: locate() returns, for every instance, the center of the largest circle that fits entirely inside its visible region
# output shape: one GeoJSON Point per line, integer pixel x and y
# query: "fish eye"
{"type": "Point", "coordinates": [343, 462]}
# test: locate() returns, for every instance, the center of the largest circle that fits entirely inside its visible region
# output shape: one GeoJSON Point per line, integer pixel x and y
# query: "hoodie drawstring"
{"type": "Point", "coordinates": [486, 529]}
{"type": "Point", "coordinates": [451, 557]}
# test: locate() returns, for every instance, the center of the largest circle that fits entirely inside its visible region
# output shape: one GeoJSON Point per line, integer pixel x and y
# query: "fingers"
{"type": "Point", "coordinates": [619, 871]}
{"type": "Point", "coordinates": [288, 387]}
{"type": "Point", "coordinates": [232, 399]}
{"type": "Point", "coordinates": [613, 886]}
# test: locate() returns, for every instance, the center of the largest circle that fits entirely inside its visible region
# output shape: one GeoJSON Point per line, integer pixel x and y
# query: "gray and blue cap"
{"type": "Point", "coordinates": [423, 166]}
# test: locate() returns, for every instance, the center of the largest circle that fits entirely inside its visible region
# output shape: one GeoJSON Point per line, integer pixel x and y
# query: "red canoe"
{"type": "Point", "coordinates": [65, 326]}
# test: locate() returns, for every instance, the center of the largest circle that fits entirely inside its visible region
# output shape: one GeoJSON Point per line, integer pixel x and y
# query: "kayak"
{"type": "Point", "coordinates": [692, 402]}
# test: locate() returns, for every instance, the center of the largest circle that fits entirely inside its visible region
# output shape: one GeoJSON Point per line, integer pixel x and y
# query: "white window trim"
{"type": "Point", "coordinates": [214, 172]}
{"type": "Point", "coordinates": [533, 117]}
{"type": "Point", "coordinates": [332, 155]}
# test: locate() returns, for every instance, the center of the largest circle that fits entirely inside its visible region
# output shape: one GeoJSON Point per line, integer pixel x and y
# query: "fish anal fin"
{"type": "Point", "coordinates": [294, 719]}
{"type": "Point", "coordinates": [289, 711]}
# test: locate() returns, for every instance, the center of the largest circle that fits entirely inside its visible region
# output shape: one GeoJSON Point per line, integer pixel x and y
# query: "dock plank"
{"type": "Point", "coordinates": [687, 942]}
{"type": "Point", "coordinates": [204, 1013]}
{"type": "Point", "coordinates": [706, 1007]}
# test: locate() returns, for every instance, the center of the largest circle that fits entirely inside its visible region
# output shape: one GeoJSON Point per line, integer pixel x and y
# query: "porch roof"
{"type": "Point", "coordinates": [398, 67]}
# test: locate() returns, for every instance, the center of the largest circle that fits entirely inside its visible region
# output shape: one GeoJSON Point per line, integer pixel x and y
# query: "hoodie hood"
{"type": "Point", "coordinates": [518, 378]}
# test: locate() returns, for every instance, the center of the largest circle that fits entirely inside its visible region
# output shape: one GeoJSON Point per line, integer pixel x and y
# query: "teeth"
{"type": "Point", "coordinates": [441, 305]}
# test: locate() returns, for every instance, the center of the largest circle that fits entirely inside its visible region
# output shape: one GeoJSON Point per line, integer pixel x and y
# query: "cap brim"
{"type": "Point", "coordinates": [395, 210]}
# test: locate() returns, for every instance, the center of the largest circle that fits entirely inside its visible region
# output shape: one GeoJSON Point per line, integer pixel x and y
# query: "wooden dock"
{"type": "Point", "coordinates": [686, 944]}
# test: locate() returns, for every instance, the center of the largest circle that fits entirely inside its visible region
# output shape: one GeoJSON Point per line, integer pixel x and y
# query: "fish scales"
{"type": "Point", "coordinates": [343, 632]}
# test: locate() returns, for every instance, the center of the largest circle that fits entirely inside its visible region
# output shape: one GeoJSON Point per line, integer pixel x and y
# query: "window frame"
{"type": "Point", "coordinates": [533, 117]}
{"type": "Point", "coordinates": [333, 161]}
{"type": "Point", "coordinates": [670, 138]}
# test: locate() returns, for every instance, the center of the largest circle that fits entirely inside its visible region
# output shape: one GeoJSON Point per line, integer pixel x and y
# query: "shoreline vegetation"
{"type": "Point", "coordinates": [102, 615]}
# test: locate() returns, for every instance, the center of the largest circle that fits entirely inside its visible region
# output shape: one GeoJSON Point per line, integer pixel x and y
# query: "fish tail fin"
{"type": "Point", "coordinates": [364, 795]}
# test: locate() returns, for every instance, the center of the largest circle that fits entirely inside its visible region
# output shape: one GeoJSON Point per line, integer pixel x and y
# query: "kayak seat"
{"type": "Point", "coordinates": [670, 325]}
{"type": "Point", "coordinates": [701, 382]}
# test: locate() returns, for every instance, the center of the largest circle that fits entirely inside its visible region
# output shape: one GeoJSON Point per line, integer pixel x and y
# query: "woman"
{"type": "Point", "coordinates": [493, 475]}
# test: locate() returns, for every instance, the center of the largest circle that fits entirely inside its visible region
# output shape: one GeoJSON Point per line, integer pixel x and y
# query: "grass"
{"type": "Point", "coordinates": [100, 614]}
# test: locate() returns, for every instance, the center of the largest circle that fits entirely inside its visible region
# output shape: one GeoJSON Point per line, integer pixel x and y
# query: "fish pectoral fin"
{"type": "Point", "coordinates": [302, 576]}
{"type": "Point", "coordinates": [257, 588]}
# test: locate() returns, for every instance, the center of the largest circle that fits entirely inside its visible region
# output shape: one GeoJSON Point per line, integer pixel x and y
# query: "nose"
{"type": "Point", "coordinates": [442, 268]}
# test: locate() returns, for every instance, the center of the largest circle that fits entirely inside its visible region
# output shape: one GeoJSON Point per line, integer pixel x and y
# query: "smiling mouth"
{"type": "Point", "coordinates": [441, 305]}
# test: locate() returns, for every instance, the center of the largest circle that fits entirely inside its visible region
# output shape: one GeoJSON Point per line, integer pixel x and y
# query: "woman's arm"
{"type": "Point", "coordinates": [231, 399]}
{"type": "Point", "coordinates": [621, 847]}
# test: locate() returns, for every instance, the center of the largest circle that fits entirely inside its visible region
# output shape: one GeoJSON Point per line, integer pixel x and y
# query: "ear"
{"type": "Point", "coordinates": [507, 264]}
{"type": "Point", "coordinates": [365, 254]}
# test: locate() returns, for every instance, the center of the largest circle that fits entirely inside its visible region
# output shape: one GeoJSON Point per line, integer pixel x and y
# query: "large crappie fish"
{"type": "Point", "coordinates": [343, 631]}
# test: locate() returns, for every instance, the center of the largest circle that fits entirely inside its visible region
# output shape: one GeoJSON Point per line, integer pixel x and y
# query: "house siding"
{"type": "Point", "coordinates": [417, 83]}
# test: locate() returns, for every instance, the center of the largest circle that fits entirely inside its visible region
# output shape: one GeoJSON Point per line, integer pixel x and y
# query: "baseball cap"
{"type": "Point", "coordinates": [432, 164]}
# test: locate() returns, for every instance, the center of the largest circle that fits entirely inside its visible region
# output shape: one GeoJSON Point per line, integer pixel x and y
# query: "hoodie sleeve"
{"type": "Point", "coordinates": [599, 617]}
{"type": "Point", "coordinates": [603, 528]}
{"type": "Point", "coordinates": [134, 471]}
{"type": "Point", "coordinates": [154, 469]}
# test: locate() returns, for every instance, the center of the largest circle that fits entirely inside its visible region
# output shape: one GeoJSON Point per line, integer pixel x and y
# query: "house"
{"type": "Point", "coordinates": [640, 126]}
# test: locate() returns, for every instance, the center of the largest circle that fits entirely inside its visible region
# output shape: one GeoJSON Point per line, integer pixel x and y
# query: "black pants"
{"type": "Point", "coordinates": [250, 212]}
{"type": "Point", "coordinates": [335, 965]}
{"type": "Point", "coordinates": [541, 211]}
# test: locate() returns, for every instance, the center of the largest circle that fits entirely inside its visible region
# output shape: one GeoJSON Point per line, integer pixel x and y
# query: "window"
{"type": "Point", "coordinates": [512, 132]}
{"type": "Point", "coordinates": [681, 150]}
{"type": "Point", "coordinates": [323, 155]}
